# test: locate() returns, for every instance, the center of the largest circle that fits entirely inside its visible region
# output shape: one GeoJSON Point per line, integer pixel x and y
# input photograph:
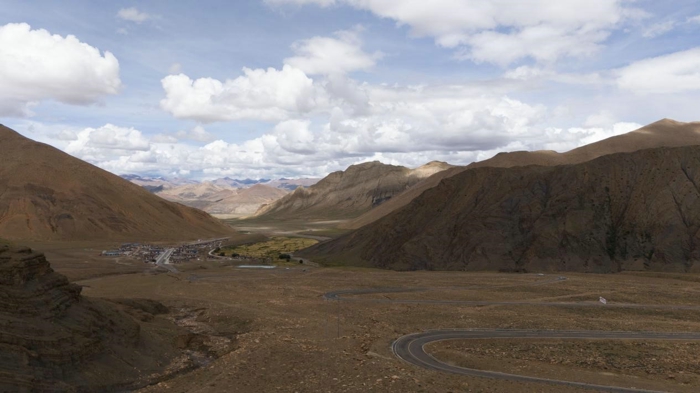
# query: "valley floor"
{"type": "Point", "coordinates": [298, 341]}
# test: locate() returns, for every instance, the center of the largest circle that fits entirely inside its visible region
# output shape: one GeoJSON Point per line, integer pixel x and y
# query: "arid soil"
{"type": "Point", "coordinates": [289, 339]}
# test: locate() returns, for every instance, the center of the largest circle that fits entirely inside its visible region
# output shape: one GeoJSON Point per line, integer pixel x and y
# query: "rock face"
{"type": "Point", "coordinates": [349, 193]}
{"type": "Point", "coordinates": [630, 211]}
{"type": "Point", "coordinates": [52, 339]}
{"type": "Point", "coordinates": [46, 194]}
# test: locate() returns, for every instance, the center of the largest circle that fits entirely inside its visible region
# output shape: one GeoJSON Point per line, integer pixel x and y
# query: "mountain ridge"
{"type": "Point", "coordinates": [50, 195]}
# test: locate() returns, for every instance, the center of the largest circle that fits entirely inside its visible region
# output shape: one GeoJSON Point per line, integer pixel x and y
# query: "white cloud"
{"type": "Point", "coordinates": [132, 14]}
{"type": "Point", "coordinates": [326, 55]}
{"type": "Point", "coordinates": [672, 73]}
{"type": "Point", "coordinates": [258, 94]}
{"type": "Point", "coordinates": [97, 145]}
{"type": "Point", "coordinates": [198, 134]}
{"type": "Point", "coordinates": [37, 65]}
{"type": "Point", "coordinates": [658, 29]}
{"type": "Point", "coordinates": [503, 31]}
{"type": "Point", "coordinates": [566, 139]}
{"type": "Point", "coordinates": [528, 73]}
{"type": "Point", "coordinates": [694, 19]}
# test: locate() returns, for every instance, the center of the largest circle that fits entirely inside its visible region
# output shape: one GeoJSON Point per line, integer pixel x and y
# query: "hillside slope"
{"type": "Point", "coordinates": [246, 201]}
{"type": "Point", "coordinates": [629, 211]}
{"type": "Point", "coordinates": [46, 194]}
{"type": "Point", "coordinates": [663, 133]}
{"type": "Point", "coordinates": [349, 193]}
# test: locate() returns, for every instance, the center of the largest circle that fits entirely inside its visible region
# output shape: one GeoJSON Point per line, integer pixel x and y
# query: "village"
{"type": "Point", "coordinates": [149, 253]}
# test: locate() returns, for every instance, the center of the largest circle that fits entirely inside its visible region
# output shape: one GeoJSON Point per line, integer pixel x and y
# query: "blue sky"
{"type": "Point", "coordinates": [272, 88]}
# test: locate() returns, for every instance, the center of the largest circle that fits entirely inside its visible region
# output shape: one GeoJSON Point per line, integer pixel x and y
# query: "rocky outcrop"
{"type": "Point", "coordinates": [52, 339]}
{"type": "Point", "coordinates": [631, 211]}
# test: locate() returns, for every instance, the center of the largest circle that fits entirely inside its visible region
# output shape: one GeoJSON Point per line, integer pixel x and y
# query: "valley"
{"type": "Point", "coordinates": [494, 277]}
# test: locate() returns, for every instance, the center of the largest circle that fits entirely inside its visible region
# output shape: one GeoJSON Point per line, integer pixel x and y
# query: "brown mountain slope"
{"type": "Point", "coordinates": [246, 201]}
{"type": "Point", "coordinates": [46, 194]}
{"type": "Point", "coordinates": [636, 210]}
{"type": "Point", "coordinates": [349, 193]}
{"type": "Point", "coordinates": [55, 340]}
{"type": "Point", "coordinates": [664, 133]}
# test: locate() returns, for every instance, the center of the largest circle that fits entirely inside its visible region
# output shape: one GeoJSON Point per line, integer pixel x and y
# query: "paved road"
{"type": "Point", "coordinates": [410, 348]}
{"type": "Point", "coordinates": [163, 260]}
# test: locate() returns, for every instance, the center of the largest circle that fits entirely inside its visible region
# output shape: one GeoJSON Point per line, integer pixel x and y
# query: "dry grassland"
{"type": "Point", "coordinates": [298, 342]}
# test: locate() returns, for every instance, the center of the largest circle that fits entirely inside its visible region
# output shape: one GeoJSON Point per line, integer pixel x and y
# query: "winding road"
{"type": "Point", "coordinates": [411, 348]}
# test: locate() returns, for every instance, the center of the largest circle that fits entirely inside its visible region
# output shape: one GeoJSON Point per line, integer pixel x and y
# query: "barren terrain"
{"type": "Point", "coordinates": [295, 341]}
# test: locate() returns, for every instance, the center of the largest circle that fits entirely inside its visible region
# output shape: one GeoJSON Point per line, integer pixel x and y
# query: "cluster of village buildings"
{"type": "Point", "coordinates": [148, 253]}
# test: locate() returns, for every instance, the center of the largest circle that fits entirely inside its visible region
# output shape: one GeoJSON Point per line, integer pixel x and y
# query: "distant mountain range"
{"type": "Point", "coordinates": [159, 183]}
{"type": "Point", "coordinates": [224, 196]}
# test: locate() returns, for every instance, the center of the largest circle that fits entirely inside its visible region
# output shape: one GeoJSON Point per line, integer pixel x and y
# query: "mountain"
{"type": "Point", "coordinates": [46, 194]}
{"type": "Point", "coordinates": [400, 200]}
{"type": "Point", "coordinates": [223, 200]}
{"type": "Point", "coordinates": [624, 211]}
{"type": "Point", "coordinates": [287, 184]}
{"type": "Point", "coordinates": [349, 193]}
{"type": "Point", "coordinates": [292, 184]}
{"type": "Point", "coordinates": [246, 201]}
{"type": "Point", "coordinates": [55, 340]}
{"type": "Point", "coordinates": [155, 183]}
{"type": "Point", "coordinates": [663, 133]}
{"type": "Point", "coordinates": [204, 191]}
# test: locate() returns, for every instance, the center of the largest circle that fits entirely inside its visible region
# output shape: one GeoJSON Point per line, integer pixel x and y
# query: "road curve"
{"type": "Point", "coordinates": [411, 348]}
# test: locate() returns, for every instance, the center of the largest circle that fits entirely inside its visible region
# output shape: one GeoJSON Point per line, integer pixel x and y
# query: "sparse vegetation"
{"type": "Point", "coordinates": [273, 248]}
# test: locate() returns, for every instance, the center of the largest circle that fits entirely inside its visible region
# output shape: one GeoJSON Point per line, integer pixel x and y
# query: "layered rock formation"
{"type": "Point", "coordinates": [52, 339]}
{"type": "Point", "coordinates": [46, 194]}
{"type": "Point", "coordinates": [632, 211]}
{"type": "Point", "coordinates": [349, 193]}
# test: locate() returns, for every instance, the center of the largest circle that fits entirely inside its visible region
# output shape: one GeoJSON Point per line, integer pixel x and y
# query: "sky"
{"type": "Point", "coordinates": [301, 88]}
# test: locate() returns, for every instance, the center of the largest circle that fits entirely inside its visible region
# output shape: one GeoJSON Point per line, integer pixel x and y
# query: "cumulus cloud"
{"type": "Point", "coordinates": [198, 134]}
{"type": "Point", "coordinates": [328, 55]}
{"type": "Point", "coordinates": [133, 15]}
{"type": "Point", "coordinates": [503, 31]}
{"type": "Point", "coordinates": [672, 73]}
{"type": "Point", "coordinates": [37, 65]}
{"type": "Point", "coordinates": [257, 94]}
{"type": "Point", "coordinates": [98, 145]}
